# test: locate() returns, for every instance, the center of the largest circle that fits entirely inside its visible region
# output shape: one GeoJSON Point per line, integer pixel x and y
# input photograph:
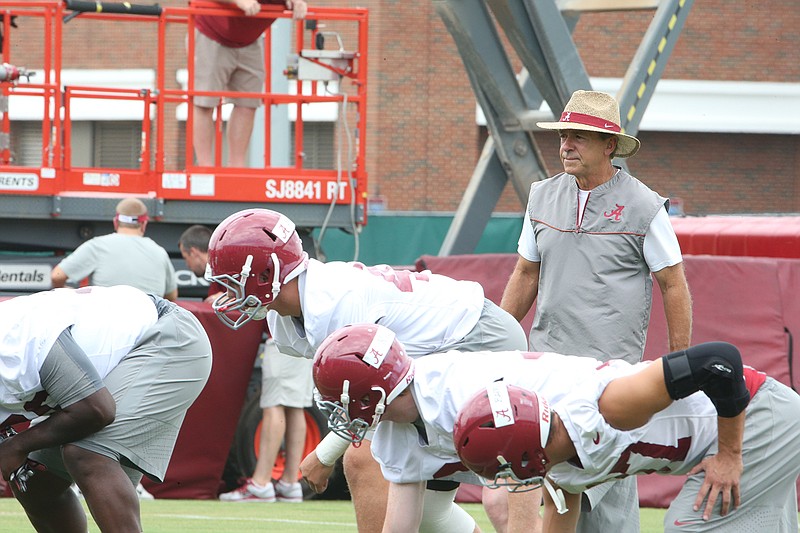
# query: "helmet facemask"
{"type": "Point", "coordinates": [340, 422]}
{"type": "Point", "coordinates": [235, 307]}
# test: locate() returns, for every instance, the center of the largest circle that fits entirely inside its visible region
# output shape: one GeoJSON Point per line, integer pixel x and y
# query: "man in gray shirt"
{"type": "Point", "coordinates": [125, 257]}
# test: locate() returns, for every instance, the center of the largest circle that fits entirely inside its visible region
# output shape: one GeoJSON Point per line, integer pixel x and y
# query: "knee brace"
{"type": "Point", "coordinates": [712, 367]}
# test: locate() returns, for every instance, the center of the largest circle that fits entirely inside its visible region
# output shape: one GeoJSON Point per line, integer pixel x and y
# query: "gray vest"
{"type": "Point", "coordinates": [595, 287]}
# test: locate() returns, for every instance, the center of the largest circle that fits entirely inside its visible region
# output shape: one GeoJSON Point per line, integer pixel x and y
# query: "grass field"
{"type": "Point", "coordinates": [199, 516]}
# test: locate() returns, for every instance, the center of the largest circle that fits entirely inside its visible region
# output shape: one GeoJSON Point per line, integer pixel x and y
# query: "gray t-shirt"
{"type": "Point", "coordinates": [116, 259]}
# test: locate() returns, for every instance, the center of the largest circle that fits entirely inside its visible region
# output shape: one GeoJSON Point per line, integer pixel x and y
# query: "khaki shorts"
{"type": "Point", "coordinates": [219, 68]}
{"type": "Point", "coordinates": [285, 380]}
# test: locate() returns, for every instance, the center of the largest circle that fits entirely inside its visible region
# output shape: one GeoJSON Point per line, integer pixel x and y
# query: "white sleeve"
{"type": "Point", "coordinates": [661, 248]}
{"type": "Point", "coordinates": [526, 246]}
{"type": "Point", "coordinates": [286, 337]}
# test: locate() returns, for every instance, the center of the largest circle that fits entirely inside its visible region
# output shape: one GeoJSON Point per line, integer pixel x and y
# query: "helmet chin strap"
{"type": "Point", "coordinates": [557, 495]}
{"type": "Point", "coordinates": [276, 273]}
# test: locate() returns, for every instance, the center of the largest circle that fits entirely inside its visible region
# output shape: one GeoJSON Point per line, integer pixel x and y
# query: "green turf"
{"type": "Point", "coordinates": [199, 516]}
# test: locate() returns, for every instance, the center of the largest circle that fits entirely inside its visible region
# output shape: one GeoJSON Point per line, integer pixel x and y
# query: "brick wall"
{"type": "Point", "coordinates": [422, 141]}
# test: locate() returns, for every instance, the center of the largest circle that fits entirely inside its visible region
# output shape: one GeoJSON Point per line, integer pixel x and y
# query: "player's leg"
{"type": "Point", "coordinates": [109, 492]}
{"type": "Point", "coordinates": [441, 513]}
{"type": "Point", "coordinates": [513, 511]}
{"type": "Point", "coordinates": [368, 488]}
{"type": "Point", "coordinates": [51, 505]}
{"type": "Point", "coordinates": [614, 507]}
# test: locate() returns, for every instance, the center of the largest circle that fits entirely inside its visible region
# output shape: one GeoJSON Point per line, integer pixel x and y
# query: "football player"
{"type": "Point", "coordinates": [257, 256]}
{"type": "Point", "coordinates": [106, 374]}
{"type": "Point", "coordinates": [697, 412]}
{"type": "Point", "coordinates": [366, 381]}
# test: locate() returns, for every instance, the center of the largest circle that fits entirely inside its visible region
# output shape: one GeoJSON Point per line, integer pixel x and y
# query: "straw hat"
{"type": "Point", "coordinates": [595, 111]}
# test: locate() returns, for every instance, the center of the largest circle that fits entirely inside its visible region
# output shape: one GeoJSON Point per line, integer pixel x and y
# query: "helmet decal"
{"type": "Point", "coordinates": [500, 404]}
{"type": "Point", "coordinates": [379, 347]}
{"type": "Point", "coordinates": [501, 432]}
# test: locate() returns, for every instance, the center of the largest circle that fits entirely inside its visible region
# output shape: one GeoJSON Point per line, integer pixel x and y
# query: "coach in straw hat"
{"type": "Point", "coordinates": [591, 237]}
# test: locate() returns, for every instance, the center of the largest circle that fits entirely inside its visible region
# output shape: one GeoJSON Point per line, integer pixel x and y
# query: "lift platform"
{"type": "Point", "coordinates": [61, 197]}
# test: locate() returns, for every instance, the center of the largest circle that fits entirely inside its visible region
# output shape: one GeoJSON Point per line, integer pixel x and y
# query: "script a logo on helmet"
{"type": "Point", "coordinates": [500, 404]}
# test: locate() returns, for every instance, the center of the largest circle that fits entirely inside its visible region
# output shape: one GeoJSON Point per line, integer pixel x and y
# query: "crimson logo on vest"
{"type": "Point", "coordinates": [616, 214]}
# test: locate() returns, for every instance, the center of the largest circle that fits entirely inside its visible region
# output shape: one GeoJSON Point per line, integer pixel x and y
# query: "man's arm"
{"type": "Point", "coordinates": [677, 305]}
{"type": "Point", "coordinates": [172, 295]}
{"type": "Point", "coordinates": [521, 289]}
{"type": "Point", "coordinates": [68, 424]}
{"type": "Point", "coordinates": [57, 277]}
{"type": "Point", "coordinates": [561, 523]}
{"type": "Point", "coordinates": [404, 508]}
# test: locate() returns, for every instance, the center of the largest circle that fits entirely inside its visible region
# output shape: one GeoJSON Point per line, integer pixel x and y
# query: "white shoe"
{"type": "Point", "coordinates": [288, 492]}
{"type": "Point", "coordinates": [250, 492]}
{"type": "Point", "coordinates": [143, 494]}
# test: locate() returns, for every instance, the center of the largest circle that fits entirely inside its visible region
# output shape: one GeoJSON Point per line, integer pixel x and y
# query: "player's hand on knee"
{"type": "Point", "coordinates": [722, 475]}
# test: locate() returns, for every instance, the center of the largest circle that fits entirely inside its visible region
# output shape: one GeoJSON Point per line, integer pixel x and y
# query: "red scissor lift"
{"type": "Point", "coordinates": [180, 191]}
{"type": "Point", "coordinates": [50, 203]}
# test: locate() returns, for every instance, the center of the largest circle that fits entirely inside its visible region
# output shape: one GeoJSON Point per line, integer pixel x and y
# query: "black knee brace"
{"type": "Point", "coordinates": [712, 367]}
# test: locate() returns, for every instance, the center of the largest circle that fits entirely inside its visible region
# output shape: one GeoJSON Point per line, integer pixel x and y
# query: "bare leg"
{"type": "Point", "coordinates": [295, 441]}
{"type": "Point", "coordinates": [109, 493]}
{"type": "Point", "coordinates": [370, 492]}
{"type": "Point", "coordinates": [203, 135]}
{"type": "Point", "coordinates": [513, 512]}
{"type": "Point", "coordinates": [273, 427]}
{"type": "Point", "coordinates": [51, 505]}
{"type": "Point", "coordinates": [240, 127]}
{"type": "Point", "coordinates": [628, 402]}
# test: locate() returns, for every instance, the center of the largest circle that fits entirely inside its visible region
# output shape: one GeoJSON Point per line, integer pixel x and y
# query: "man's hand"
{"type": "Point", "coordinates": [249, 7]}
{"type": "Point", "coordinates": [315, 473]}
{"type": "Point", "coordinates": [723, 473]}
{"type": "Point", "coordinates": [11, 457]}
{"type": "Point", "coordinates": [299, 8]}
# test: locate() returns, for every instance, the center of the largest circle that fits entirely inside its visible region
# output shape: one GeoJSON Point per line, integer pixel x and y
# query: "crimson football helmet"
{"type": "Point", "coordinates": [500, 434]}
{"type": "Point", "coordinates": [251, 254]}
{"type": "Point", "coordinates": [358, 370]}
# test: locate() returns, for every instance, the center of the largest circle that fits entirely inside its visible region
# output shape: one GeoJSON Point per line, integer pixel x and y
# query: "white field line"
{"type": "Point", "coordinates": [232, 518]}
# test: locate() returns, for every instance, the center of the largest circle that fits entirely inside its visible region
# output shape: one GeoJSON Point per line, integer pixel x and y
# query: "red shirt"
{"type": "Point", "coordinates": [234, 32]}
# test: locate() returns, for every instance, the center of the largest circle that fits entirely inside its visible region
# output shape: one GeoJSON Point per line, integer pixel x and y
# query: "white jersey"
{"type": "Point", "coordinates": [428, 312]}
{"type": "Point", "coordinates": [442, 385]}
{"type": "Point", "coordinates": [107, 322]}
{"type": "Point", "coordinates": [672, 442]}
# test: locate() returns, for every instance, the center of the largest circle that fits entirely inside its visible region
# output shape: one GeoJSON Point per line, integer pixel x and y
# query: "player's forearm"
{"type": "Point", "coordinates": [731, 434]}
{"type": "Point", "coordinates": [69, 424]}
